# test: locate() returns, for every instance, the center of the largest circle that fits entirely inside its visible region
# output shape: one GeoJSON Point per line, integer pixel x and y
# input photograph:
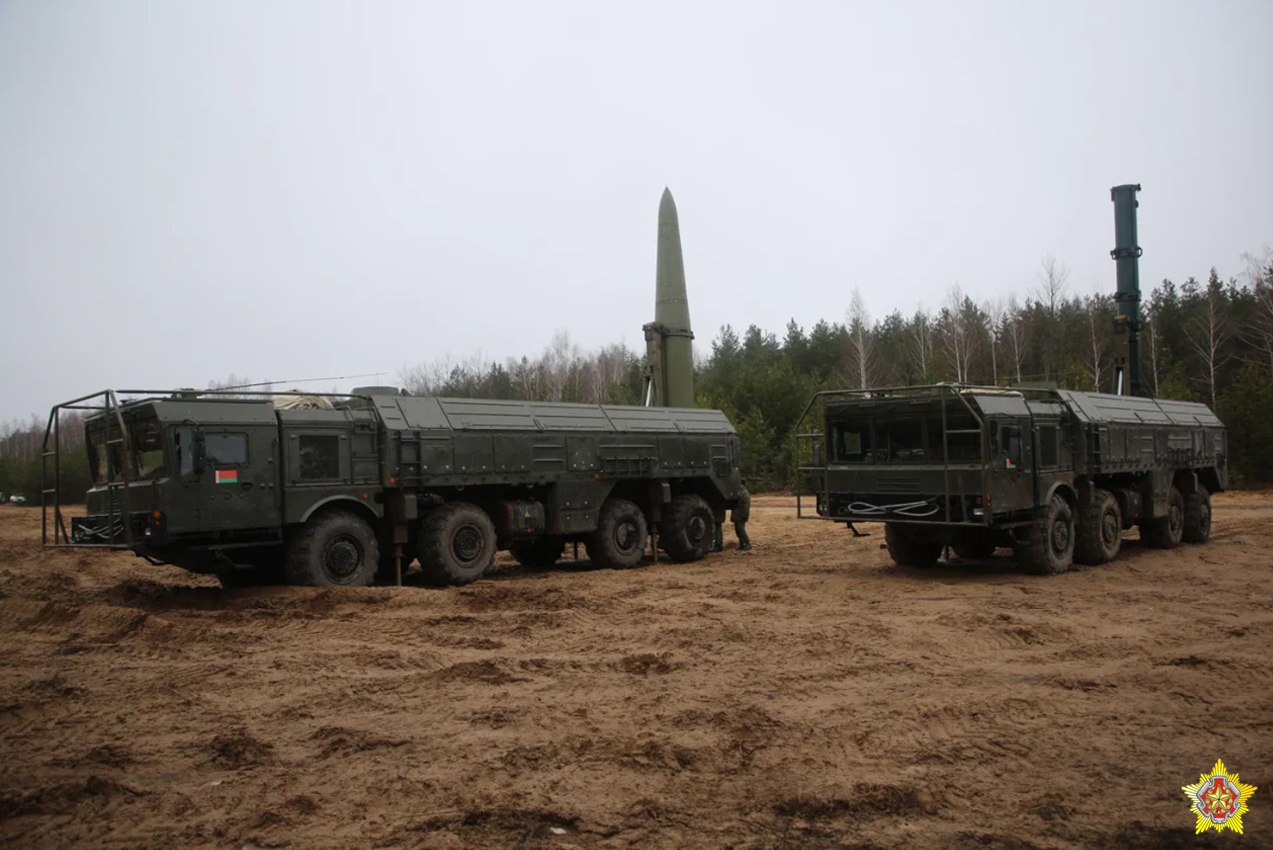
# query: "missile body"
{"type": "Point", "coordinates": [669, 371]}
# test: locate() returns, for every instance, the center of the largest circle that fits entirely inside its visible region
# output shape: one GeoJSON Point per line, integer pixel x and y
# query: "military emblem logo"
{"type": "Point", "coordinates": [1219, 800]}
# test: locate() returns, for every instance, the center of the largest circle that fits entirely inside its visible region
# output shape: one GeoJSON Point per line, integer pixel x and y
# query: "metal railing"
{"type": "Point", "coordinates": [106, 403]}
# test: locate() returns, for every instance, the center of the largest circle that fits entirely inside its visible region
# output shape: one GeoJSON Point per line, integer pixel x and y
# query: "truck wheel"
{"type": "Point", "coordinates": [1100, 530]}
{"type": "Point", "coordinates": [619, 541]}
{"type": "Point", "coordinates": [540, 553]}
{"type": "Point", "coordinates": [687, 532]}
{"type": "Point", "coordinates": [907, 550]}
{"type": "Point", "coordinates": [333, 549]}
{"type": "Point", "coordinates": [1197, 517]}
{"type": "Point", "coordinates": [1048, 546]}
{"type": "Point", "coordinates": [1166, 532]}
{"type": "Point", "coordinates": [457, 544]}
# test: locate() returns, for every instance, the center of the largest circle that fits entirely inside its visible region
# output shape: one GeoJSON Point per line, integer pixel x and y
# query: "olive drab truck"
{"type": "Point", "coordinates": [355, 486]}
{"type": "Point", "coordinates": [340, 490]}
{"type": "Point", "coordinates": [1055, 475]}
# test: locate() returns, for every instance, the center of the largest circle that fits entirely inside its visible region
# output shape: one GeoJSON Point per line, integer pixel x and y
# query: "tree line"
{"type": "Point", "coordinates": [1208, 341]}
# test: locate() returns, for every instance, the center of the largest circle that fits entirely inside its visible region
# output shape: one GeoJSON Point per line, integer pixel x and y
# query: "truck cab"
{"type": "Point", "coordinates": [172, 474]}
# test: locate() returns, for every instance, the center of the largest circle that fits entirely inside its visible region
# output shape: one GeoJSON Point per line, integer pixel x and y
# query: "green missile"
{"type": "Point", "coordinates": [668, 339]}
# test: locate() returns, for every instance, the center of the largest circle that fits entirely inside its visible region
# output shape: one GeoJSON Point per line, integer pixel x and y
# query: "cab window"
{"type": "Point", "coordinates": [148, 449]}
{"type": "Point", "coordinates": [1010, 445]}
{"type": "Point", "coordinates": [97, 457]}
{"type": "Point", "coordinates": [225, 449]}
{"type": "Point", "coordinates": [183, 450]}
{"type": "Point", "coordinates": [852, 440]}
{"type": "Point", "coordinates": [900, 439]}
{"type": "Point", "coordinates": [320, 457]}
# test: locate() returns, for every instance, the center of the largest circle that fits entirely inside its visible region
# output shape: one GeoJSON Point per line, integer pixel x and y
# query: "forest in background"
{"type": "Point", "coordinates": [1209, 341]}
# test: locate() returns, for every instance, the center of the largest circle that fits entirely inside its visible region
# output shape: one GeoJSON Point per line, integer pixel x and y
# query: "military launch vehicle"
{"type": "Point", "coordinates": [345, 489]}
{"type": "Point", "coordinates": [1055, 475]}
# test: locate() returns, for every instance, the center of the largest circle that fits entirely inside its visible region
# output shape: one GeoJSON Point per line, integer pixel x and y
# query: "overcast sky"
{"type": "Point", "coordinates": [285, 190]}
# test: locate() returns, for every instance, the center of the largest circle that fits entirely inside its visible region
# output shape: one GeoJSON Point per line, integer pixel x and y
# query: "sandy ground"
{"type": "Point", "coordinates": [805, 694]}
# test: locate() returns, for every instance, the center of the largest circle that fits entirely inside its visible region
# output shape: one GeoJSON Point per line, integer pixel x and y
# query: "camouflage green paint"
{"type": "Point", "coordinates": [669, 351]}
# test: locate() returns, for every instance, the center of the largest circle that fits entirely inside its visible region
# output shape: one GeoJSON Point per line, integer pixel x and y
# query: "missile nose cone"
{"type": "Point", "coordinates": [667, 208]}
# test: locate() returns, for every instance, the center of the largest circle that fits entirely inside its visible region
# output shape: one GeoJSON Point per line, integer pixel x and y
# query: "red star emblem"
{"type": "Point", "coordinates": [1218, 799]}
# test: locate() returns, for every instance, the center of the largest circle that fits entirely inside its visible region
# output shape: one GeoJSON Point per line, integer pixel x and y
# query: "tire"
{"type": "Point", "coordinates": [333, 549]}
{"type": "Point", "coordinates": [619, 541]}
{"type": "Point", "coordinates": [688, 530]}
{"type": "Point", "coordinates": [1048, 546]}
{"type": "Point", "coordinates": [1166, 532]}
{"type": "Point", "coordinates": [907, 550]}
{"type": "Point", "coordinates": [1197, 527]}
{"type": "Point", "coordinates": [539, 553]}
{"type": "Point", "coordinates": [457, 544]}
{"type": "Point", "coordinates": [1099, 533]}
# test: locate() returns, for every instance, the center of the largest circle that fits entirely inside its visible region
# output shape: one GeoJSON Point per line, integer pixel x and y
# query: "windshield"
{"type": "Point", "coordinates": [97, 457]}
{"type": "Point", "coordinates": [148, 448]}
{"type": "Point", "coordinates": [106, 459]}
{"type": "Point", "coordinates": [906, 438]}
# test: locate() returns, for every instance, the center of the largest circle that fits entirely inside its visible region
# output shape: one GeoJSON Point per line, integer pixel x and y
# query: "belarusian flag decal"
{"type": "Point", "coordinates": [227, 476]}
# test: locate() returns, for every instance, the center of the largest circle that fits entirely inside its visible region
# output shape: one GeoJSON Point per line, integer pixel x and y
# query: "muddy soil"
{"type": "Point", "coordinates": [805, 694]}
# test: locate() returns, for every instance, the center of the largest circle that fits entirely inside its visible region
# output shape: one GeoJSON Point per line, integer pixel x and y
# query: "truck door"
{"type": "Point", "coordinates": [1012, 474]}
{"type": "Point", "coordinates": [233, 472]}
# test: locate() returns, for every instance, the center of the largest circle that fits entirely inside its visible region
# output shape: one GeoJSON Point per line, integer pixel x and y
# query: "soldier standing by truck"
{"type": "Point", "coordinates": [740, 513]}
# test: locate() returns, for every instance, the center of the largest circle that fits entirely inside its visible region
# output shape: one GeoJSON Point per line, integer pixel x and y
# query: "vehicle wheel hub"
{"type": "Point", "coordinates": [1060, 537]}
{"type": "Point", "coordinates": [342, 557]}
{"type": "Point", "coordinates": [466, 545]}
{"type": "Point", "coordinates": [697, 529]}
{"type": "Point", "coordinates": [625, 536]}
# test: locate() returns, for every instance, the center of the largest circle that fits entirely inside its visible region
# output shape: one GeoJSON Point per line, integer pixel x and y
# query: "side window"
{"type": "Point", "coordinates": [1010, 444]}
{"type": "Point", "coordinates": [320, 457]}
{"type": "Point", "coordinates": [225, 449]}
{"type": "Point", "coordinates": [1047, 446]}
{"type": "Point", "coordinates": [183, 447]}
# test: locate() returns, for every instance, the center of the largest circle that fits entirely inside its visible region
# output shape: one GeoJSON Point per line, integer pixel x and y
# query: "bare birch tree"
{"type": "Point", "coordinates": [861, 342]}
{"type": "Point", "coordinates": [959, 332]}
{"type": "Point", "coordinates": [1014, 328]}
{"type": "Point", "coordinates": [921, 347]}
{"type": "Point", "coordinates": [994, 312]}
{"type": "Point", "coordinates": [1053, 278]}
{"type": "Point", "coordinates": [1258, 329]}
{"type": "Point", "coordinates": [1150, 335]}
{"type": "Point", "coordinates": [1208, 331]}
{"type": "Point", "coordinates": [1097, 309]}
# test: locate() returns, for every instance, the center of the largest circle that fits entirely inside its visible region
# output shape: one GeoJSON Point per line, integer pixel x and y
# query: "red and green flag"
{"type": "Point", "coordinates": [227, 476]}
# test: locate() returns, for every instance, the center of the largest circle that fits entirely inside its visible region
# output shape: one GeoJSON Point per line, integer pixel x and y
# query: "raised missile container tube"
{"type": "Point", "coordinates": [669, 376]}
